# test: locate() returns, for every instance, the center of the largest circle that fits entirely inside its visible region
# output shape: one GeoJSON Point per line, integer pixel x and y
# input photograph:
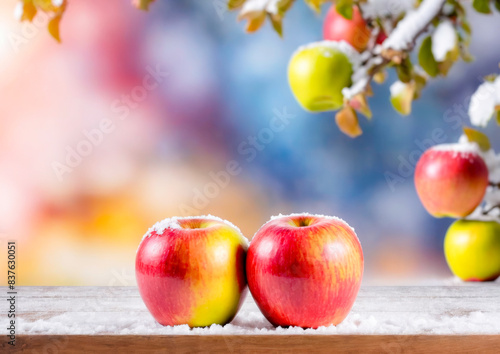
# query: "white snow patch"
{"type": "Point", "coordinates": [444, 40]}
{"type": "Point", "coordinates": [407, 29]}
{"type": "Point", "coordinates": [173, 223]}
{"type": "Point", "coordinates": [483, 102]}
{"type": "Point", "coordinates": [396, 88]}
{"type": "Point", "coordinates": [386, 8]}
{"type": "Point", "coordinates": [270, 6]}
{"type": "Point", "coordinates": [252, 322]}
{"type": "Point", "coordinates": [360, 77]}
{"type": "Point", "coordinates": [458, 148]}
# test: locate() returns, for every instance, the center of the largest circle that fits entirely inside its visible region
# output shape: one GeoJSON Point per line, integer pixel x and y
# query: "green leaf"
{"type": "Point", "coordinates": [466, 27]}
{"type": "Point", "coordinates": [482, 6]}
{"type": "Point", "coordinates": [475, 136]}
{"type": "Point", "coordinates": [498, 117]}
{"type": "Point", "coordinates": [465, 53]}
{"type": "Point", "coordinates": [344, 7]}
{"type": "Point", "coordinates": [451, 57]}
{"type": "Point", "coordinates": [497, 4]}
{"type": "Point", "coordinates": [235, 4]}
{"type": "Point", "coordinates": [490, 77]}
{"type": "Point", "coordinates": [402, 100]}
{"type": "Point", "coordinates": [420, 82]}
{"type": "Point", "coordinates": [277, 23]}
{"type": "Point", "coordinates": [426, 58]}
{"type": "Point", "coordinates": [405, 70]}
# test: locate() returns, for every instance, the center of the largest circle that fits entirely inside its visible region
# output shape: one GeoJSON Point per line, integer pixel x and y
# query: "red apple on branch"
{"type": "Point", "coordinates": [451, 180]}
{"type": "Point", "coordinates": [354, 31]}
{"type": "Point", "coordinates": [305, 270]}
{"type": "Point", "coordinates": [192, 271]}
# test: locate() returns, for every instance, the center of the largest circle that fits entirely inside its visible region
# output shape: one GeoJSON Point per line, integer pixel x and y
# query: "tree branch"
{"type": "Point", "coordinates": [400, 41]}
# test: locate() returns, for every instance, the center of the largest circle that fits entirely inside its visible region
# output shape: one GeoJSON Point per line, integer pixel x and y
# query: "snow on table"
{"type": "Point", "coordinates": [111, 312]}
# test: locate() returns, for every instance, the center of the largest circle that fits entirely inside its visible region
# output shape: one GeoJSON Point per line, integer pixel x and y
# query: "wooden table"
{"type": "Point", "coordinates": [424, 319]}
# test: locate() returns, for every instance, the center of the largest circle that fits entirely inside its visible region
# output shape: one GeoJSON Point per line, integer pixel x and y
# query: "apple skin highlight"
{"type": "Point", "coordinates": [193, 274]}
{"type": "Point", "coordinates": [451, 183]}
{"type": "Point", "coordinates": [305, 270]}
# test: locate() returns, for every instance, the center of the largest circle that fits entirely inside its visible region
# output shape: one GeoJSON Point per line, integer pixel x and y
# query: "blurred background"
{"type": "Point", "coordinates": [135, 117]}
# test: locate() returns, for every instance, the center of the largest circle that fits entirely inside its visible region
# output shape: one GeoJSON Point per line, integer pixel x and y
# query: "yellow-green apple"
{"type": "Point", "coordinates": [318, 72]}
{"type": "Point", "coordinates": [192, 271]}
{"type": "Point", "coordinates": [305, 270]}
{"type": "Point", "coordinates": [451, 180]}
{"type": "Point", "coordinates": [472, 249]}
{"type": "Point", "coordinates": [354, 31]}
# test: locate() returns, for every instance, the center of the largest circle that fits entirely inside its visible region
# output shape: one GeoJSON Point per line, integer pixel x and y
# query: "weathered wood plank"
{"type": "Point", "coordinates": [383, 319]}
{"type": "Point", "coordinates": [259, 344]}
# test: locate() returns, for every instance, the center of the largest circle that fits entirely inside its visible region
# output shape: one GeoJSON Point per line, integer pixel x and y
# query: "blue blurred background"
{"type": "Point", "coordinates": [81, 224]}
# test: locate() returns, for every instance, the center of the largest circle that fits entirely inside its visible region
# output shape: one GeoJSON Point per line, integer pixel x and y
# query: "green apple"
{"type": "Point", "coordinates": [317, 74]}
{"type": "Point", "coordinates": [472, 249]}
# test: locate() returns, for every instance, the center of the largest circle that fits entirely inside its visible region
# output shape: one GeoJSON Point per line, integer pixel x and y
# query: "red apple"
{"type": "Point", "coordinates": [353, 31]}
{"type": "Point", "coordinates": [305, 270]}
{"type": "Point", "coordinates": [451, 180]}
{"type": "Point", "coordinates": [192, 271]}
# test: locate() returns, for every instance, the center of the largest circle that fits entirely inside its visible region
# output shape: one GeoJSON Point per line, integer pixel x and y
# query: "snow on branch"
{"type": "Point", "coordinates": [401, 39]}
{"type": "Point", "coordinates": [415, 22]}
{"type": "Point", "coordinates": [270, 6]}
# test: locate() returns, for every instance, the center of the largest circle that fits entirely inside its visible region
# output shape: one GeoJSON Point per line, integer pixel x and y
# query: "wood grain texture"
{"type": "Point", "coordinates": [259, 344]}
{"type": "Point", "coordinates": [41, 330]}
